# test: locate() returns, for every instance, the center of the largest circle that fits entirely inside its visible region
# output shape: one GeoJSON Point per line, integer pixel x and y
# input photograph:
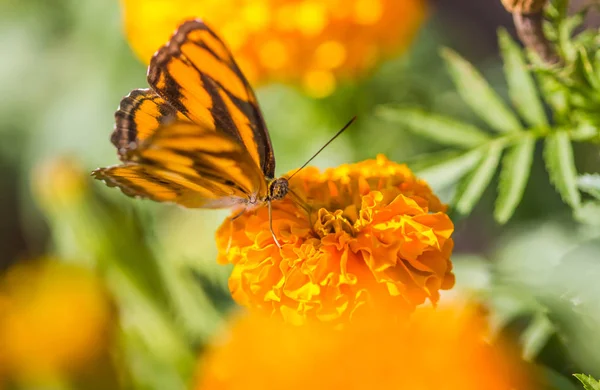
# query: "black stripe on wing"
{"type": "Point", "coordinates": [197, 48]}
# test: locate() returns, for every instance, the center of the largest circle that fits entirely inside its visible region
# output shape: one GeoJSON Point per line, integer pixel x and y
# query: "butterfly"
{"type": "Point", "coordinates": [197, 136]}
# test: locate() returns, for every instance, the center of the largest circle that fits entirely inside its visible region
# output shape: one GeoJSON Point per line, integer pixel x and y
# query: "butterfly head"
{"type": "Point", "coordinates": [278, 188]}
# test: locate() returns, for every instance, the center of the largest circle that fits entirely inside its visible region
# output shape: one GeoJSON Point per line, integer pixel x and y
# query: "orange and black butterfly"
{"type": "Point", "coordinates": [197, 136]}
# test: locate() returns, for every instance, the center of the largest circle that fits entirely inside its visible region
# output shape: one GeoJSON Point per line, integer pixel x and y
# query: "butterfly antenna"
{"type": "Point", "coordinates": [323, 147]}
{"type": "Point", "coordinates": [299, 201]}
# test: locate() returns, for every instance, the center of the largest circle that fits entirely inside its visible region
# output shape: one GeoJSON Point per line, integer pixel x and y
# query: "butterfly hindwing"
{"type": "Point", "coordinates": [139, 115]}
{"type": "Point", "coordinates": [197, 75]}
{"type": "Point", "coordinates": [142, 181]}
{"type": "Point", "coordinates": [189, 165]}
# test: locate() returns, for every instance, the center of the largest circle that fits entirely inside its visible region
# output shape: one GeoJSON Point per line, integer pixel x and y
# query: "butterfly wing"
{"type": "Point", "coordinates": [197, 75]}
{"type": "Point", "coordinates": [198, 137]}
{"type": "Point", "coordinates": [139, 115]}
{"type": "Point", "coordinates": [189, 165]}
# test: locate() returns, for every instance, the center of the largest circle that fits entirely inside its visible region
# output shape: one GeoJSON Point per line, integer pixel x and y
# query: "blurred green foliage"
{"type": "Point", "coordinates": [69, 65]}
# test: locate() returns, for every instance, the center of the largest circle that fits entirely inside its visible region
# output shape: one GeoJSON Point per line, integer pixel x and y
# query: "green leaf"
{"type": "Point", "coordinates": [449, 172]}
{"type": "Point", "coordinates": [589, 383]}
{"type": "Point", "coordinates": [474, 185]}
{"type": "Point", "coordinates": [590, 183]}
{"type": "Point", "coordinates": [554, 91]}
{"type": "Point", "coordinates": [585, 128]}
{"type": "Point", "coordinates": [445, 130]}
{"type": "Point", "coordinates": [558, 154]}
{"type": "Point", "coordinates": [557, 10]}
{"type": "Point", "coordinates": [521, 87]}
{"type": "Point", "coordinates": [584, 65]}
{"type": "Point", "coordinates": [565, 33]}
{"type": "Point", "coordinates": [585, 38]}
{"type": "Point", "coordinates": [516, 166]}
{"type": "Point", "coordinates": [536, 336]}
{"type": "Point", "coordinates": [478, 94]}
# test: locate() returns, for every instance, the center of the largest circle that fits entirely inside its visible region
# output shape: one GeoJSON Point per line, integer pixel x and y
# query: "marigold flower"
{"type": "Point", "coordinates": [306, 42]}
{"type": "Point", "coordinates": [376, 235]}
{"type": "Point", "coordinates": [436, 349]}
{"type": "Point", "coordinates": [54, 318]}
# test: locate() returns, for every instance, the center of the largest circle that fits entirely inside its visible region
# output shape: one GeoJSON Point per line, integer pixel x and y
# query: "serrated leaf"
{"type": "Point", "coordinates": [521, 87]}
{"type": "Point", "coordinates": [560, 164]}
{"type": "Point", "coordinates": [442, 129]}
{"type": "Point", "coordinates": [590, 183]}
{"type": "Point", "coordinates": [516, 166]}
{"type": "Point", "coordinates": [479, 95]}
{"type": "Point", "coordinates": [449, 172]}
{"type": "Point", "coordinates": [588, 382]}
{"type": "Point", "coordinates": [474, 185]}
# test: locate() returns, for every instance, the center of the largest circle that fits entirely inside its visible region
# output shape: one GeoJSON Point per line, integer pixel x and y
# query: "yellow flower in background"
{"type": "Point", "coordinates": [59, 182]}
{"type": "Point", "coordinates": [314, 44]}
{"type": "Point", "coordinates": [376, 236]}
{"type": "Point", "coordinates": [436, 349]}
{"type": "Point", "coordinates": [54, 318]}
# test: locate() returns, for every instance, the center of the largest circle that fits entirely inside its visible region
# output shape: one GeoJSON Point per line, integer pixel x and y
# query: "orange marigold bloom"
{"type": "Point", "coordinates": [306, 42]}
{"type": "Point", "coordinates": [54, 318]}
{"type": "Point", "coordinates": [436, 349]}
{"type": "Point", "coordinates": [376, 235]}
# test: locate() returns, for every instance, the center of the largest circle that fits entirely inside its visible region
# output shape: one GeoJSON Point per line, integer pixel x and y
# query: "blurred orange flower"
{"type": "Point", "coordinates": [306, 42]}
{"type": "Point", "coordinates": [54, 318]}
{"type": "Point", "coordinates": [436, 349]}
{"type": "Point", "coordinates": [376, 235]}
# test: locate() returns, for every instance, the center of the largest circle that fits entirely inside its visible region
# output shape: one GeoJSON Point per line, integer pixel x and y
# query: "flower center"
{"type": "Point", "coordinates": [329, 222]}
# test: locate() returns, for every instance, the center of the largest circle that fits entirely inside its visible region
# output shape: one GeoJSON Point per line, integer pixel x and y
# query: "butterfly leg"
{"type": "Point", "coordinates": [271, 224]}
{"type": "Point", "coordinates": [238, 215]}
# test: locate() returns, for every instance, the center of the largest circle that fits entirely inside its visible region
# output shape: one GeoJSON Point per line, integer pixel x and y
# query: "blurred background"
{"type": "Point", "coordinates": [70, 64]}
{"type": "Point", "coordinates": [65, 66]}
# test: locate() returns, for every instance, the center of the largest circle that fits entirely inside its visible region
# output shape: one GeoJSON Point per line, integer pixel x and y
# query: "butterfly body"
{"type": "Point", "coordinates": [197, 136]}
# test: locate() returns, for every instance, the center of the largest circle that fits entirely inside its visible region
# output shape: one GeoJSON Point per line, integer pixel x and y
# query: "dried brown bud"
{"type": "Point", "coordinates": [524, 6]}
{"type": "Point", "coordinates": [530, 32]}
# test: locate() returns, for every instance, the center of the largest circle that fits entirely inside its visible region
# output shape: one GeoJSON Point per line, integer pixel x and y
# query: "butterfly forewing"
{"type": "Point", "coordinates": [196, 74]}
